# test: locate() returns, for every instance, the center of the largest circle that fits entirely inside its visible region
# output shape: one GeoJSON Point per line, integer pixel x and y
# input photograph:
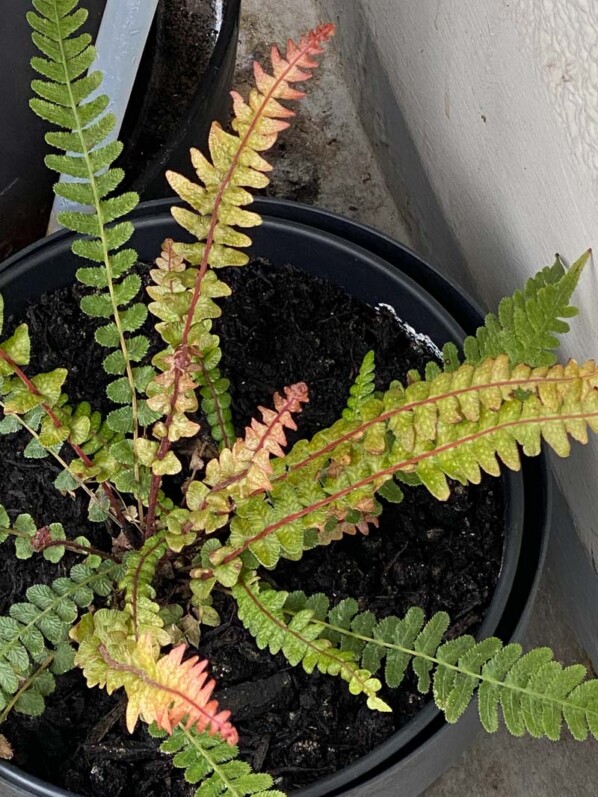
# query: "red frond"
{"type": "Point", "coordinates": [269, 435]}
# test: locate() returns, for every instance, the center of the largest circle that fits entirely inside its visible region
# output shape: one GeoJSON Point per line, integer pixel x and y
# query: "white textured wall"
{"type": "Point", "coordinates": [500, 102]}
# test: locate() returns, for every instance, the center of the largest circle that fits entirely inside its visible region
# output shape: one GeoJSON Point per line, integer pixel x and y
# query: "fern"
{"type": "Point", "coordinates": [139, 571]}
{"type": "Point", "coordinates": [214, 765]}
{"type": "Point", "coordinates": [34, 644]}
{"type": "Point", "coordinates": [218, 203]}
{"type": "Point", "coordinates": [67, 98]}
{"type": "Point", "coordinates": [527, 322]}
{"type": "Point", "coordinates": [362, 388]}
{"type": "Point", "coordinates": [300, 641]}
{"type": "Point", "coordinates": [161, 689]}
{"type": "Point", "coordinates": [535, 693]}
{"type": "Point", "coordinates": [454, 426]}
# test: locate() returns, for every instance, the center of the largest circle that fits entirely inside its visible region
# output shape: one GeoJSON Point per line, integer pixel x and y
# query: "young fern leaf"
{"type": "Point", "coordinates": [454, 426]}
{"type": "Point", "coordinates": [527, 323]}
{"type": "Point", "coordinates": [301, 641]}
{"type": "Point", "coordinates": [535, 694]}
{"type": "Point", "coordinates": [214, 765]}
{"type": "Point", "coordinates": [218, 202]}
{"type": "Point", "coordinates": [139, 572]}
{"type": "Point", "coordinates": [362, 388]}
{"type": "Point", "coordinates": [84, 126]}
{"type": "Point", "coordinates": [161, 689]}
{"type": "Point", "coordinates": [26, 536]}
{"type": "Point", "coordinates": [34, 644]}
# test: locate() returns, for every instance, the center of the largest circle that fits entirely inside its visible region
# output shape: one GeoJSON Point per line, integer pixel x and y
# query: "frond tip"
{"type": "Point", "coordinates": [163, 689]}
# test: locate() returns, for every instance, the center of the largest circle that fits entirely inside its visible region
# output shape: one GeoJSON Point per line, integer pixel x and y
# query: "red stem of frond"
{"type": "Point", "coordinates": [387, 472]}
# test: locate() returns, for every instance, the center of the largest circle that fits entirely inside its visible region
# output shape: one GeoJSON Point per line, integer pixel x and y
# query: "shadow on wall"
{"type": "Point", "coordinates": [383, 120]}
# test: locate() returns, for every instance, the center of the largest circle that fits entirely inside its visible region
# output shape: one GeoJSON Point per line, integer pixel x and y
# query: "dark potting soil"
{"type": "Point", "coordinates": [174, 61]}
{"type": "Point", "coordinates": [280, 326]}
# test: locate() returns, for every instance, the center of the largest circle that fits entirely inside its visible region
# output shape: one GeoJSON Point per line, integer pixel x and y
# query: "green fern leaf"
{"type": "Point", "coordinates": [527, 322]}
{"type": "Point", "coordinates": [35, 633]}
{"type": "Point", "coordinates": [214, 765]}
{"type": "Point", "coordinates": [301, 640]}
{"type": "Point", "coordinates": [65, 99]}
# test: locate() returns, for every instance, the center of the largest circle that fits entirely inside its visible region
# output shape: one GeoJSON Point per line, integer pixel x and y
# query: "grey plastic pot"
{"type": "Point", "coordinates": [374, 268]}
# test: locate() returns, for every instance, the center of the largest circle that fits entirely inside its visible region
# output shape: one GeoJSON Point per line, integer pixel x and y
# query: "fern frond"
{"type": "Point", "coordinates": [34, 645]}
{"type": "Point", "coordinates": [139, 571]}
{"type": "Point", "coordinates": [455, 426]}
{"type": "Point", "coordinates": [161, 689]}
{"type": "Point", "coordinates": [535, 694]}
{"type": "Point", "coordinates": [64, 99]}
{"type": "Point", "coordinates": [527, 323]}
{"type": "Point", "coordinates": [362, 388]}
{"type": "Point", "coordinates": [172, 296]}
{"type": "Point", "coordinates": [301, 641]}
{"type": "Point", "coordinates": [218, 203]}
{"type": "Point", "coordinates": [235, 160]}
{"type": "Point", "coordinates": [214, 765]}
{"type": "Point", "coordinates": [43, 409]}
{"type": "Point", "coordinates": [245, 469]}
{"type": "Point", "coordinates": [183, 296]}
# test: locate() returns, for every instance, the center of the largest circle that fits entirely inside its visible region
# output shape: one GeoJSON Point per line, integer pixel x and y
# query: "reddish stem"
{"type": "Point", "coordinates": [58, 425]}
{"type": "Point", "coordinates": [87, 550]}
{"type": "Point", "coordinates": [387, 472]}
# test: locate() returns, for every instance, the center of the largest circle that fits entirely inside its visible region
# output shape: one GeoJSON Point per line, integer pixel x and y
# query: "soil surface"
{"type": "Point", "coordinates": [280, 326]}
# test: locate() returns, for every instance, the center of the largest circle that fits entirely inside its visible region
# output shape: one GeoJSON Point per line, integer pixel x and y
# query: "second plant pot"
{"type": "Point", "coordinates": [377, 270]}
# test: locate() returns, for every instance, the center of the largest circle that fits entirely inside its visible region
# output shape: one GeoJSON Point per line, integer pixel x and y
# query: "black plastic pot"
{"type": "Point", "coordinates": [208, 101]}
{"type": "Point", "coordinates": [376, 269]}
{"type": "Point", "coordinates": [26, 185]}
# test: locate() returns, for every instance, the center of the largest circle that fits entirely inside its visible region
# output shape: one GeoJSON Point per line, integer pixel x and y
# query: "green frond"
{"type": "Point", "coordinates": [139, 570]}
{"type": "Point", "coordinates": [527, 323]}
{"type": "Point", "coordinates": [301, 640]}
{"type": "Point", "coordinates": [214, 765]}
{"type": "Point", "coordinates": [34, 636]}
{"type": "Point", "coordinates": [362, 388]}
{"type": "Point", "coordinates": [534, 693]}
{"type": "Point", "coordinates": [65, 100]}
{"type": "Point", "coordinates": [456, 426]}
